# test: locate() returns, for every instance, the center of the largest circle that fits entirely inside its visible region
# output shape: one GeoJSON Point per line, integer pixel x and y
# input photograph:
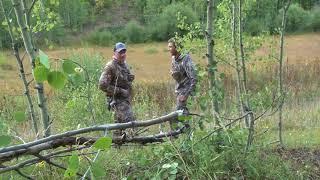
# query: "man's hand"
{"type": "Point", "coordinates": [130, 77]}
{"type": "Point", "coordinates": [182, 98]}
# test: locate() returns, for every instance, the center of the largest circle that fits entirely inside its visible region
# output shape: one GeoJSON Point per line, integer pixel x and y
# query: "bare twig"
{"type": "Point", "coordinates": [19, 172]}
{"type": "Point", "coordinates": [220, 128]}
{"type": "Point", "coordinates": [30, 9]}
{"type": "Point", "coordinates": [36, 160]}
{"type": "Point", "coordinates": [23, 175]}
{"type": "Point", "coordinates": [47, 160]}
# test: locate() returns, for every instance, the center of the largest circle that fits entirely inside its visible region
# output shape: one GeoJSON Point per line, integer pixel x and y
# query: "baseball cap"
{"type": "Point", "coordinates": [119, 46]}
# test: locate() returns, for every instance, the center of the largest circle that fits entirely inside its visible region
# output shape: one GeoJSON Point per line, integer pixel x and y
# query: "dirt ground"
{"type": "Point", "coordinates": [302, 158]}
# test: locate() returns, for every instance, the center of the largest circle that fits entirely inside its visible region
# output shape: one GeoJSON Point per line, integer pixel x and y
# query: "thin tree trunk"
{"type": "Point", "coordinates": [280, 82]}
{"type": "Point", "coordinates": [246, 107]}
{"type": "Point", "coordinates": [236, 57]}
{"type": "Point", "coordinates": [212, 64]}
{"type": "Point", "coordinates": [32, 54]}
{"type": "Point", "coordinates": [22, 74]}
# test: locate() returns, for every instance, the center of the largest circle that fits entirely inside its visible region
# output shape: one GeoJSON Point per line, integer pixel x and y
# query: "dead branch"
{"type": "Point", "coordinates": [30, 162]}
{"type": "Point", "coordinates": [133, 124]}
{"type": "Point", "coordinates": [70, 141]}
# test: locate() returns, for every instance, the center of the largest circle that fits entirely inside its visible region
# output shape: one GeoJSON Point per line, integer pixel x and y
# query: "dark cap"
{"type": "Point", "coordinates": [119, 46]}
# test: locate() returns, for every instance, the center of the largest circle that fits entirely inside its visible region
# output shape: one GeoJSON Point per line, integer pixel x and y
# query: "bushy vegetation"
{"type": "Point", "coordinates": [101, 38]}
{"type": "Point", "coordinates": [186, 157]}
{"type": "Point", "coordinates": [199, 153]}
{"type": "Point", "coordinates": [152, 20]}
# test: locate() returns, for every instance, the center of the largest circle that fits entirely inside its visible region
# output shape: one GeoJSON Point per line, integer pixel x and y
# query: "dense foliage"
{"type": "Point", "coordinates": [151, 20]}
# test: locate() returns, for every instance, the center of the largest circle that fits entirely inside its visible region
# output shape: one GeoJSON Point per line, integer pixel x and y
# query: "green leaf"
{"type": "Point", "coordinates": [174, 165]}
{"type": "Point", "coordinates": [56, 79]}
{"type": "Point", "coordinates": [97, 170]}
{"type": "Point", "coordinates": [68, 66]}
{"type": "Point", "coordinates": [70, 173]}
{"type": "Point", "coordinates": [184, 118]}
{"type": "Point", "coordinates": [40, 73]}
{"type": "Point", "coordinates": [103, 143]}
{"type": "Point", "coordinates": [173, 171]}
{"type": "Point", "coordinates": [4, 23]}
{"type": "Point", "coordinates": [76, 79]}
{"type": "Point", "coordinates": [73, 166]}
{"type": "Point", "coordinates": [44, 59]}
{"type": "Point", "coordinates": [222, 75]}
{"type": "Point", "coordinates": [37, 61]}
{"type": "Point", "coordinates": [5, 140]}
{"type": "Point", "coordinates": [74, 161]}
{"type": "Point", "coordinates": [19, 116]}
{"type": "Point", "coordinates": [166, 166]}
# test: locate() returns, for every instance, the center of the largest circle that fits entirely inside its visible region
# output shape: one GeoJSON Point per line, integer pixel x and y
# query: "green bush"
{"type": "Point", "coordinates": [165, 25]}
{"type": "Point", "coordinates": [152, 9]}
{"type": "Point", "coordinates": [117, 32]}
{"type": "Point", "coordinates": [255, 27]}
{"type": "Point", "coordinates": [134, 32]}
{"type": "Point", "coordinates": [72, 106]}
{"type": "Point", "coordinates": [315, 18]}
{"type": "Point", "coordinates": [298, 18]}
{"type": "Point", "coordinates": [103, 38]}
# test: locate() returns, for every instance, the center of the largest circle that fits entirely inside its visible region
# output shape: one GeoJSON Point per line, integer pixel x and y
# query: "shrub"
{"type": "Point", "coordinates": [255, 27]}
{"type": "Point", "coordinates": [164, 26]}
{"type": "Point", "coordinates": [315, 18]}
{"type": "Point", "coordinates": [72, 107]}
{"type": "Point", "coordinates": [134, 32]}
{"type": "Point", "coordinates": [103, 38]}
{"type": "Point", "coordinates": [117, 32]}
{"type": "Point", "coordinates": [298, 18]}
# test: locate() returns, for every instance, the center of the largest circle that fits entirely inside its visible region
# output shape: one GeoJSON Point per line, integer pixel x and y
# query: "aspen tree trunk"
{"type": "Point", "coordinates": [27, 40]}
{"type": "Point", "coordinates": [280, 80]}
{"type": "Point", "coordinates": [212, 64]}
{"type": "Point", "coordinates": [21, 73]}
{"type": "Point", "coordinates": [246, 104]}
{"type": "Point", "coordinates": [236, 57]}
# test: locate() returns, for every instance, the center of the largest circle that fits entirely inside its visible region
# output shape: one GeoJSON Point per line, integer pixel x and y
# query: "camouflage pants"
{"type": "Point", "coordinates": [180, 105]}
{"type": "Point", "coordinates": [123, 114]}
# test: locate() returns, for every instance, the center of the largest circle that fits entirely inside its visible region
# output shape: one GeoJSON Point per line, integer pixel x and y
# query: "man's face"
{"type": "Point", "coordinates": [172, 49]}
{"type": "Point", "coordinates": [121, 55]}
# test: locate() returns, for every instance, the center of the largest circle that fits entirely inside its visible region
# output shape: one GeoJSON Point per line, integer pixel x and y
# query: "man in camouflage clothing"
{"type": "Point", "coordinates": [116, 81]}
{"type": "Point", "coordinates": [183, 72]}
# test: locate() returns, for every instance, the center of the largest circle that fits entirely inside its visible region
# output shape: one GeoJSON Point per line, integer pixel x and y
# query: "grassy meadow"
{"type": "Point", "coordinates": [154, 96]}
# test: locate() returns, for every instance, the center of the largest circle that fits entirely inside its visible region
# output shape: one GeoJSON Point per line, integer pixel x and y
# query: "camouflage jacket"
{"type": "Point", "coordinates": [116, 80]}
{"type": "Point", "coordinates": [183, 72]}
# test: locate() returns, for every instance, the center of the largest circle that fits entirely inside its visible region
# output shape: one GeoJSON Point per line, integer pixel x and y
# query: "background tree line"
{"type": "Point", "coordinates": [102, 22]}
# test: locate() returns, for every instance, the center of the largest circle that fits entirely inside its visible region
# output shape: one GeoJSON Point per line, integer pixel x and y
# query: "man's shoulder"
{"type": "Point", "coordinates": [187, 57]}
{"type": "Point", "coordinates": [110, 65]}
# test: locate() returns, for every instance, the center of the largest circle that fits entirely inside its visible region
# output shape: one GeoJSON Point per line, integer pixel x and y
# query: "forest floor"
{"type": "Point", "coordinates": [302, 158]}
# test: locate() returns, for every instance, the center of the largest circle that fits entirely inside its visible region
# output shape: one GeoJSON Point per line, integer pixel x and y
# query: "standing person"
{"type": "Point", "coordinates": [116, 81]}
{"type": "Point", "coordinates": [183, 72]}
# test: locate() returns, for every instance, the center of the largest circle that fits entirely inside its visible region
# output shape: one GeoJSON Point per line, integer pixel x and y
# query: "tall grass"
{"type": "Point", "coordinates": [187, 157]}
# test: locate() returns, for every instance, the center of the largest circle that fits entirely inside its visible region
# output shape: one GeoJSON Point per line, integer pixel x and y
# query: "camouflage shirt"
{"type": "Point", "coordinates": [183, 72]}
{"type": "Point", "coordinates": [116, 80]}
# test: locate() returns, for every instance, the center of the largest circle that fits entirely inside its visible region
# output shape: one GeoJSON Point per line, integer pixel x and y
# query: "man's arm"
{"type": "Point", "coordinates": [191, 73]}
